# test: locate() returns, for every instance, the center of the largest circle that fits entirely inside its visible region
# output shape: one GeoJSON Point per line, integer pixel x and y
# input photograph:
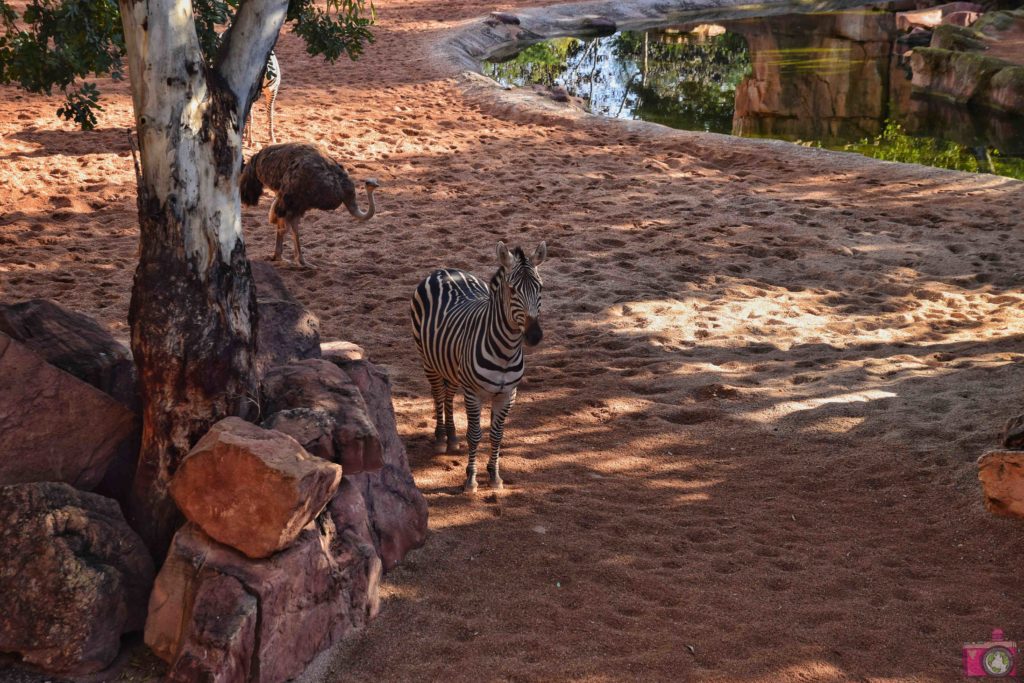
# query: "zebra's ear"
{"type": "Point", "coordinates": [539, 254]}
{"type": "Point", "coordinates": [505, 257]}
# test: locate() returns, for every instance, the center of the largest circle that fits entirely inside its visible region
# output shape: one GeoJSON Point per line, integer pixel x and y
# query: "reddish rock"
{"type": "Point", "coordinates": [76, 344]}
{"type": "Point", "coordinates": [251, 488]}
{"type": "Point", "coordinates": [219, 638]}
{"type": "Point", "coordinates": [1002, 481]}
{"type": "Point", "coordinates": [287, 331]}
{"type": "Point", "coordinates": [932, 17]}
{"type": "Point", "coordinates": [332, 407]}
{"type": "Point", "coordinates": [1006, 90]}
{"type": "Point", "coordinates": [307, 597]}
{"type": "Point", "coordinates": [351, 520]}
{"type": "Point", "coordinates": [73, 577]}
{"type": "Point", "coordinates": [397, 511]}
{"type": "Point", "coordinates": [313, 429]}
{"type": "Point", "coordinates": [53, 426]}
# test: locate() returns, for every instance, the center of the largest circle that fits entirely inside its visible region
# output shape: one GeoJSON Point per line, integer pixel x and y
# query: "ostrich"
{"type": "Point", "coordinates": [304, 178]}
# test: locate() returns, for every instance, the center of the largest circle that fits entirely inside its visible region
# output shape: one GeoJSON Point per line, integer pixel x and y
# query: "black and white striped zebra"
{"type": "Point", "coordinates": [470, 336]}
{"type": "Point", "coordinates": [268, 93]}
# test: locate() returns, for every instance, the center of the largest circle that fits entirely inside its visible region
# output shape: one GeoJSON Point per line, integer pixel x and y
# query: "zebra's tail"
{"type": "Point", "coordinates": [249, 183]}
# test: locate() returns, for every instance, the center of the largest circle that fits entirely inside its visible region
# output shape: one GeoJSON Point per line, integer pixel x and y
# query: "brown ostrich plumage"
{"type": "Point", "coordinates": [303, 178]}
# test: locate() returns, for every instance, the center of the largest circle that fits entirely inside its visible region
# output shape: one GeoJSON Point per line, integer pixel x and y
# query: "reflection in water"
{"type": "Point", "coordinates": [835, 79]}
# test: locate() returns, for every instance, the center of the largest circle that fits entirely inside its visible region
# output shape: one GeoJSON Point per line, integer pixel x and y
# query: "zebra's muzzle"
{"type": "Point", "coordinates": [533, 333]}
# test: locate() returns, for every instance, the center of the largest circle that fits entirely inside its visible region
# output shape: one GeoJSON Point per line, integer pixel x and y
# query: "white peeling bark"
{"type": "Point", "coordinates": [247, 47]}
{"type": "Point", "coordinates": [182, 168]}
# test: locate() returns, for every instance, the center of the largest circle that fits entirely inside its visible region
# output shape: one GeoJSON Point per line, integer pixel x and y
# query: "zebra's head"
{"type": "Point", "coordinates": [523, 285]}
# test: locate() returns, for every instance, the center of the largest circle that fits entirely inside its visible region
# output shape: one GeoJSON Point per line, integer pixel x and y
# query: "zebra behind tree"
{"type": "Point", "coordinates": [268, 93]}
{"type": "Point", "coordinates": [470, 336]}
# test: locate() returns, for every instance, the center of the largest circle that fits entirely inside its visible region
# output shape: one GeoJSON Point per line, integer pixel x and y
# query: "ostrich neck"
{"type": "Point", "coordinates": [370, 209]}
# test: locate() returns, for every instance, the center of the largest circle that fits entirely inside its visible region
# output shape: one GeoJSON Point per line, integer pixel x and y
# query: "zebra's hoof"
{"type": "Point", "coordinates": [470, 486]}
{"type": "Point", "coordinates": [454, 447]}
{"type": "Point", "coordinates": [497, 484]}
{"type": "Point", "coordinates": [440, 447]}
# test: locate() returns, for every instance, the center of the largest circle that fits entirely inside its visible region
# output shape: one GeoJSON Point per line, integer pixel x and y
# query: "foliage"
{"type": "Point", "coordinates": [682, 82]}
{"type": "Point", "coordinates": [60, 43]}
{"type": "Point", "coordinates": [894, 144]}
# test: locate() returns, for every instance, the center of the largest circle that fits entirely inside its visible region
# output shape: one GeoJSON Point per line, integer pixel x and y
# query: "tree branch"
{"type": "Point", "coordinates": [246, 48]}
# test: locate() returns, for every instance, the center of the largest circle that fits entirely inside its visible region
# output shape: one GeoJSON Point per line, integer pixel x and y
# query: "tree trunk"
{"type": "Point", "coordinates": [193, 307]}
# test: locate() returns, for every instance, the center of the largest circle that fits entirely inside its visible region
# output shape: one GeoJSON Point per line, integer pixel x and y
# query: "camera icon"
{"type": "Point", "coordinates": [996, 658]}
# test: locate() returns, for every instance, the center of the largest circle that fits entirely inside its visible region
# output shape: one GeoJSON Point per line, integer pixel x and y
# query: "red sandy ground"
{"type": "Point", "coordinates": [744, 451]}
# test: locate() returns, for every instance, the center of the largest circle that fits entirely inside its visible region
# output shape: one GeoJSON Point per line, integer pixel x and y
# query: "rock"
{"type": "Point", "coordinates": [1002, 481]}
{"type": "Point", "coordinates": [1006, 90]}
{"type": "Point", "coordinates": [251, 488]}
{"type": "Point", "coordinates": [329, 402]}
{"type": "Point", "coordinates": [76, 344]}
{"type": "Point", "coordinates": [1013, 433]}
{"type": "Point", "coordinates": [53, 426]}
{"type": "Point", "coordinates": [287, 331]}
{"type": "Point", "coordinates": [313, 429]}
{"type": "Point", "coordinates": [960, 76]}
{"type": "Point", "coordinates": [849, 100]}
{"type": "Point", "coordinates": [977, 65]}
{"type": "Point", "coordinates": [341, 351]}
{"type": "Point", "coordinates": [495, 18]}
{"type": "Point", "coordinates": [960, 18]}
{"type": "Point", "coordinates": [933, 16]}
{"type": "Point", "coordinates": [307, 597]}
{"type": "Point", "coordinates": [348, 511]}
{"type": "Point", "coordinates": [354, 544]}
{"type": "Point", "coordinates": [397, 511]}
{"type": "Point", "coordinates": [221, 636]}
{"type": "Point", "coordinates": [597, 26]}
{"type": "Point", "coordinates": [73, 577]}
{"type": "Point", "coordinates": [949, 37]}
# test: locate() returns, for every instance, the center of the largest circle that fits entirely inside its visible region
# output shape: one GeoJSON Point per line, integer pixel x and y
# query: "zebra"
{"type": "Point", "coordinates": [470, 335]}
{"type": "Point", "coordinates": [268, 90]}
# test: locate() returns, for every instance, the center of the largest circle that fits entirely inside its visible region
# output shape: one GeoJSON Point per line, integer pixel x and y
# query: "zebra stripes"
{"type": "Point", "coordinates": [268, 92]}
{"type": "Point", "coordinates": [470, 336]}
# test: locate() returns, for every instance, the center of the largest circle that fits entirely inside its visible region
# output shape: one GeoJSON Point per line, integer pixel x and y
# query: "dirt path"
{"type": "Point", "coordinates": [745, 450]}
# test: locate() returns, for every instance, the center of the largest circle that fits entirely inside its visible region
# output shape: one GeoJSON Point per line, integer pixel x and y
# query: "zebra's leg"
{"type": "Point", "coordinates": [438, 392]}
{"type": "Point", "coordinates": [270, 115]}
{"type": "Point", "coordinates": [449, 419]}
{"type": "Point", "coordinates": [501, 404]}
{"type": "Point", "coordinates": [473, 438]}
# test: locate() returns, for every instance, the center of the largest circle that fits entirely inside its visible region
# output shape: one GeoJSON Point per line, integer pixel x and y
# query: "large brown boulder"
{"type": "Point", "coordinates": [216, 615]}
{"type": "Point", "coordinates": [53, 426]}
{"type": "Point", "coordinates": [397, 511]}
{"type": "Point", "coordinates": [287, 331]}
{"type": "Point", "coordinates": [76, 344]}
{"type": "Point", "coordinates": [317, 404]}
{"type": "Point", "coordinates": [1002, 482]}
{"type": "Point", "coordinates": [251, 488]}
{"type": "Point", "coordinates": [73, 577]}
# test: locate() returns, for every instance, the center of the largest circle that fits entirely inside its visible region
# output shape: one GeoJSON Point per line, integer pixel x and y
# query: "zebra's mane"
{"type": "Point", "coordinates": [520, 255]}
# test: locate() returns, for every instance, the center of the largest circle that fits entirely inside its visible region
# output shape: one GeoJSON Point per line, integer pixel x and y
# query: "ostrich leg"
{"type": "Point", "coordinates": [293, 225]}
{"type": "Point", "coordinates": [279, 224]}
